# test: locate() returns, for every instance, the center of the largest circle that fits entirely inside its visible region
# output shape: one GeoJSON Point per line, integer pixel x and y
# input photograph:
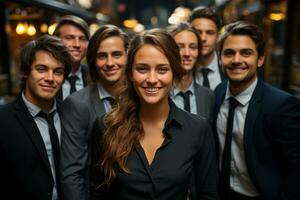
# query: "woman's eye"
{"type": "Point", "coordinates": [141, 69]}
{"type": "Point", "coordinates": [162, 70]}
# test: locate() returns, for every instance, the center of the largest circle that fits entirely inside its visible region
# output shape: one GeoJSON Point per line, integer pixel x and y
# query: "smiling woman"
{"type": "Point", "coordinates": [137, 148]}
{"type": "Point", "coordinates": [152, 79]}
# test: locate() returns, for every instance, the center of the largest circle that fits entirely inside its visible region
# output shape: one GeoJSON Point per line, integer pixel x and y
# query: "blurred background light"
{"type": "Point", "coordinates": [277, 16]}
{"type": "Point", "coordinates": [139, 28]}
{"type": "Point", "coordinates": [20, 28]}
{"type": "Point", "coordinates": [44, 28]}
{"type": "Point", "coordinates": [51, 29]}
{"type": "Point", "coordinates": [130, 23]}
{"type": "Point", "coordinates": [31, 31]}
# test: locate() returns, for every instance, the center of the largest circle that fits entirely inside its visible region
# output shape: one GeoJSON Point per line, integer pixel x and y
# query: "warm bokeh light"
{"type": "Point", "coordinates": [20, 29]}
{"type": "Point", "coordinates": [31, 30]}
{"type": "Point", "coordinates": [139, 28]}
{"type": "Point", "coordinates": [173, 20]}
{"type": "Point", "coordinates": [180, 14]}
{"type": "Point", "coordinates": [85, 3]}
{"type": "Point", "coordinates": [51, 29]}
{"type": "Point", "coordinates": [44, 28]}
{"type": "Point", "coordinates": [93, 28]}
{"type": "Point", "coordinates": [277, 16]}
{"type": "Point", "coordinates": [130, 23]}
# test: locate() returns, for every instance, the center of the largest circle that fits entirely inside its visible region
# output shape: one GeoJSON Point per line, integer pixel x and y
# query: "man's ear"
{"type": "Point", "coordinates": [260, 61]}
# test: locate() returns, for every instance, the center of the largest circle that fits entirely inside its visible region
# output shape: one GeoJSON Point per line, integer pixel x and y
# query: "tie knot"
{"type": "Point", "coordinates": [233, 103]}
{"type": "Point", "coordinates": [72, 79]}
{"type": "Point", "coordinates": [205, 71]}
{"type": "Point", "coordinates": [48, 117]}
{"type": "Point", "coordinates": [111, 100]}
{"type": "Point", "coordinates": [185, 95]}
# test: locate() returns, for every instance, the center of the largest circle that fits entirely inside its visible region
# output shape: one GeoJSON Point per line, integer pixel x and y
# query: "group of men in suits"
{"type": "Point", "coordinates": [44, 155]}
{"type": "Point", "coordinates": [256, 126]}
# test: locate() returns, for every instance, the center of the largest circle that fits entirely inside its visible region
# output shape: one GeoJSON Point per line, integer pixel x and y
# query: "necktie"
{"type": "Point", "coordinates": [186, 97]}
{"type": "Point", "coordinates": [111, 101]}
{"type": "Point", "coordinates": [225, 169]}
{"type": "Point", "coordinates": [72, 80]}
{"type": "Point", "coordinates": [54, 144]}
{"type": "Point", "coordinates": [205, 72]}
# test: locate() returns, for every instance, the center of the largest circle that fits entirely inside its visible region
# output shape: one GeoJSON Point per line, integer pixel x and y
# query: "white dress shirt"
{"type": "Point", "coordinates": [104, 96]}
{"type": "Point", "coordinates": [44, 131]}
{"type": "Point", "coordinates": [239, 176]}
{"type": "Point", "coordinates": [179, 101]}
{"type": "Point", "coordinates": [78, 84]}
{"type": "Point", "coordinates": [213, 76]}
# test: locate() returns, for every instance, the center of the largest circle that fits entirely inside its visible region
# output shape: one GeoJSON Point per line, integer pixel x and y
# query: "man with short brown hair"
{"type": "Point", "coordinates": [257, 126]}
{"type": "Point", "coordinates": [30, 126]}
{"type": "Point", "coordinates": [207, 23]}
{"type": "Point", "coordinates": [74, 32]}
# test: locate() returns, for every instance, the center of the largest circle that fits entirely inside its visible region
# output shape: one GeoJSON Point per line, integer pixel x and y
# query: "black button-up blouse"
{"type": "Point", "coordinates": [188, 149]}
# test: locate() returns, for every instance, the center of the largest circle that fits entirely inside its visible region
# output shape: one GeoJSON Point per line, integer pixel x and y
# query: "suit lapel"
{"type": "Point", "coordinates": [199, 100]}
{"type": "Point", "coordinates": [96, 101]}
{"type": "Point", "coordinates": [84, 71]}
{"type": "Point", "coordinates": [253, 111]}
{"type": "Point", "coordinates": [220, 95]}
{"type": "Point", "coordinates": [26, 120]}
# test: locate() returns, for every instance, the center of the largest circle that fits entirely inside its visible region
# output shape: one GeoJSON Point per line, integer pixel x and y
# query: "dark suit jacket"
{"type": "Point", "coordinates": [79, 111]}
{"type": "Point", "coordinates": [188, 148]}
{"type": "Point", "coordinates": [271, 141]}
{"type": "Point", "coordinates": [84, 72]}
{"type": "Point", "coordinates": [24, 167]}
{"type": "Point", "coordinates": [205, 100]}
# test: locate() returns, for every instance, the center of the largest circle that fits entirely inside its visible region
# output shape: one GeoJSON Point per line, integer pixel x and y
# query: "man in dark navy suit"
{"type": "Point", "coordinates": [257, 126]}
{"type": "Point", "coordinates": [30, 126]}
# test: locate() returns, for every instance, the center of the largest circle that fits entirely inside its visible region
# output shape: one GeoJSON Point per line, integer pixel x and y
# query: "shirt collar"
{"type": "Point", "coordinates": [176, 90]}
{"type": "Point", "coordinates": [213, 65]}
{"type": "Point", "coordinates": [102, 92]}
{"type": "Point", "coordinates": [34, 109]}
{"type": "Point", "coordinates": [174, 117]}
{"type": "Point", "coordinates": [245, 96]}
{"type": "Point", "coordinates": [78, 73]}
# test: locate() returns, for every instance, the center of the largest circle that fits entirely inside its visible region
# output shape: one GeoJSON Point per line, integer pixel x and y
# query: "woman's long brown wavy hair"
{"type": "Point", "coordinates": [124, 128]}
